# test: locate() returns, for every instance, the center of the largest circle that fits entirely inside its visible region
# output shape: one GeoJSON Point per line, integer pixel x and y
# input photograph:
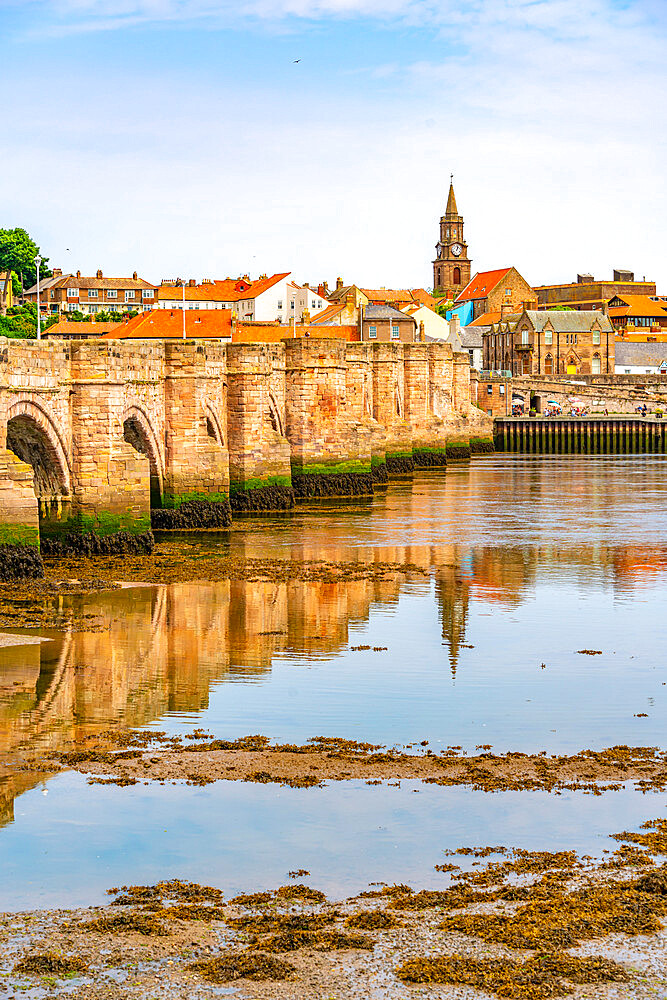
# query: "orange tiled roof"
{"type": "Point", "coordinates": [227, 290]}
{"type": "Point", "coordinates": [421, 295]}
{"type": "Point", "coordinates": [380, 295]}
{"type": "Point", "coordinates": [328, 314]}
{"type": "Point", "coordinates": [168, 324]}
{"type": "Point", "coordinates": [483, 283]}
{"type": "Point", "coordinates": [639, 305]}
{"type": "Point", "coordinates": [249, 333]}
{"type": "Point", "coordinates": [486, 319]}
{"type": "Point", "coordinates": [67, 327]}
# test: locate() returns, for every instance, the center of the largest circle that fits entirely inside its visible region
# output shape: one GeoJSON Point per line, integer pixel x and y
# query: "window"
{"type": "Point", "coordinates": [489, 390]}
{"type": "Point", "coordinates": [280, 303]}
{"type": "Point", "coordinates": [457, 276]}
{"type": "Point", "coordinates": [548, 338]}
{"type": "Point", "coordinates": [627, 371]}
{"type": "Point", "coordinates": [525, 336]}
{"type": "Point", "coordinates": [72, 293]}
{"type": "Point", "coordinates": [508, 291]}
{"type": "Point", "coordinates": [93, 293]}
{"type": "Point", "coordinates": [93, 309]}
{"type": "Point", "coordinates": [147, 293]}
{"type": "Point", "coordinates": [372, 332]}
{"type": "Point", "coordinates": [112, 293]}
{"type": "Point", "coordinates": [596, 336]}
{"type": "Point", "coordinates": [129, 296]}
{"type": "Point", "coordinates": [113, 307]}
{"type": "Point", "coordinates": [501, 390]}
{"type": "Point", "coordinates": [394, 332]}
{"type": "Point", "coordinates": [312, 304]}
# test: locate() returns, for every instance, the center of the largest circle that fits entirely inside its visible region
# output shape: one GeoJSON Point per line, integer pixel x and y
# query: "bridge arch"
{"type": "Point", "coordinates": [138, 431]}
{"type": "Point", "coordinates": [34, 437]}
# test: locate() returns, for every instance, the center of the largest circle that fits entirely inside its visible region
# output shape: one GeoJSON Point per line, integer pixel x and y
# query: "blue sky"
{"type": "Point", "coordinates": [179, 137]}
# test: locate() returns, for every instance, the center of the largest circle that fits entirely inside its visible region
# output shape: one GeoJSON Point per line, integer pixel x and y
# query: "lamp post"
{"type": "Point", "coordinates": [183, 284]}
{"type": "Point", "coordinates": [294, 315]}
{"type": "Point", "coordinates": [38, 261]}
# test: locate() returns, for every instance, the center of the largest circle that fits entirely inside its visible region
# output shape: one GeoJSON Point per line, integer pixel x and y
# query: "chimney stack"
{"type": "Point", "coordinates": [99, 274]}
{"type": "Point", "coordinates": [192, 282]}
{"type": "Point", "coordinates": [57, 272]}
{"type": "Point", "coordinates": [134, 276]}
{"type": "Point", "coordinates": [339, 283]}
{"type": "Point", "coordinates": [78, 274]}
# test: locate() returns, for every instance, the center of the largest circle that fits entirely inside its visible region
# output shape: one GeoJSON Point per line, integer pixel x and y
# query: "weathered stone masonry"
{"type": "Point", "coordinates": [99, 437]}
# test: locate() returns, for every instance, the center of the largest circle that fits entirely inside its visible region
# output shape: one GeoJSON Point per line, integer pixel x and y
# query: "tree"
{"type": "Point", "coordinates": [17, 254]}
{"type": "Point", "coordinates": [20, 323]}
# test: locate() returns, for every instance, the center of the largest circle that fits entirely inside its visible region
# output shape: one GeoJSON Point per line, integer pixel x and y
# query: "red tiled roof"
{"type": "Point", "coordinates": [421, 295]}
{"type": "Point", "coordinates": [168, 323]}
{"type": "Point", "coordinates": [482, 284]}
{"type": "Point", "coordinates": [227, 290]}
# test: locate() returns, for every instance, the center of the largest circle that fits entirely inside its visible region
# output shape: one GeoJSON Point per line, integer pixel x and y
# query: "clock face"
{"type": "Point", "coordinates": [457, 249]}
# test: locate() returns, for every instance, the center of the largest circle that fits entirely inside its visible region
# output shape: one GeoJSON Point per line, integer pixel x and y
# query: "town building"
{"type": "Point", "coordinates": [638, 313]}
{"type": "Point", "coordinates": [90, 295]}
{"type": "Point", "coordinates": [6, 291]}
{"type": "Point", "coordinates": [264, 299]}
{"type": "Point", "coordinates": [452, 266]}
{"type": "Point", "coordinates": [432, 325]}
{"type": "Point", "coordinates": [386, 324]}
{"type": "Point", "coordinates": [553, 342]}
{"type": "Point", "coordinates": [167, 324]}
{"type": "Point", "coordinates": [586, 293]}
{"type": "Point", "coordinates": [472, 341]}
{"type": "Point", "coordinates": [490, 295]}
{"type": "Point", "coordinates": [640, 358]}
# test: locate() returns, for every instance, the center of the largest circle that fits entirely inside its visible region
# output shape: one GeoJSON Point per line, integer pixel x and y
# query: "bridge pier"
{"type": "Point", "coordinates": [259, 454]}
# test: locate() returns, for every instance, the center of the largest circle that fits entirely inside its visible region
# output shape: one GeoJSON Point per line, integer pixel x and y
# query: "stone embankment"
{"type": "Point", "coordinates": [100, 442]}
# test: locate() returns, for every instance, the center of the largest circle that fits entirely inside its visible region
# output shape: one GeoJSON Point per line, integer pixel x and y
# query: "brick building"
{"type": "Point", "coordinates": [553, 342]}
{"type": "Point", "coordinates": [587, 293]}
{"type": "Point", "coordinates": [491, 393]}
{"type": "Point", "coordinates": [386, 324]}
{"type": "Point", "coordinates": [491, 295]}
{"type": "Point", "coordinates": [90, 295]}
{"type": "Point", "coordinates": [452, 266]}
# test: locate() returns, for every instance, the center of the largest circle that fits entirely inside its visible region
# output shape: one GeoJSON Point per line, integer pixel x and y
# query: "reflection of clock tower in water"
{"type": "Point", "coordinates": [451, 268]}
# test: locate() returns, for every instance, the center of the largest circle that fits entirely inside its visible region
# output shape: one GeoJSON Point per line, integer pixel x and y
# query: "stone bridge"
{"type": "Point", "coordinates": [99, 437]}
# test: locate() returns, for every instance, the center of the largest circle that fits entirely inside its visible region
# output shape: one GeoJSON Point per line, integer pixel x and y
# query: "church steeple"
{"type": "Point", "coordinates": [452, 267]}
{"type": "Point", "coordinates": [451, 201]}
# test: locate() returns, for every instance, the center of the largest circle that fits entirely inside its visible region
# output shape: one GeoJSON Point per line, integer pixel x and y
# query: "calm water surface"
{"type": "Point", "coordinates": [522, 562]}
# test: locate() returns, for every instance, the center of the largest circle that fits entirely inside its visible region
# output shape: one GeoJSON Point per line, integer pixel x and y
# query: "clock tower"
{"type": "Point", "coordinates": [451, 267]}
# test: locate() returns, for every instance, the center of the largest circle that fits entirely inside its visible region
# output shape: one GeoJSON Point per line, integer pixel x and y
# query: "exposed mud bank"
{"type": "Point", "coordinates": [333, 484]}
{"type": "Point", "coordinates": [149, 756]}
{"type": "Point", "coordinates": [262, 498]}
{"type": "Point", "coordinates": [193, 515]}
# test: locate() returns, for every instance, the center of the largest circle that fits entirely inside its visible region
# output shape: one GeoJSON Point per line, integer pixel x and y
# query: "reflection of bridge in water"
{"type": "Point", "coordinates": [155, 650]}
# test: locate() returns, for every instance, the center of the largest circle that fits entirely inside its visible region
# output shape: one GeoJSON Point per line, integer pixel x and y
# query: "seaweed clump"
{"type": "Point", "coordinates": [254, 965]}
{"type": "Point", "coordinates": [49, 963]}
{"type": "Point", "coordinates": [151, 896]}
{"type": "Point", "coordinates": [192, 515]}
{"type": "Point", "coordinates": [20, 561]}
{"type": "Point", "coordinates": [293, 893]}
{"type": "Point", "coordinates": [538, 978]}
{"type": "Point", "coordinates": [123, 923]}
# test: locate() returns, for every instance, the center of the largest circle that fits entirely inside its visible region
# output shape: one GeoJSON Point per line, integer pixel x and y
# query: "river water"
{"type": "Point", "coordinates": [517, 564]}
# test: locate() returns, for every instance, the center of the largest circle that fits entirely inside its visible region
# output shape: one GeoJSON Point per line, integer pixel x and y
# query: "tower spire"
{"type": "Point", "coordinates": [451, 200]}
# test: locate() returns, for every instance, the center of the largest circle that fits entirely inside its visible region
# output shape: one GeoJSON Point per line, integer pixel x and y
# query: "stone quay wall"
{"type": "Point", "coordinates": [99, 438]}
